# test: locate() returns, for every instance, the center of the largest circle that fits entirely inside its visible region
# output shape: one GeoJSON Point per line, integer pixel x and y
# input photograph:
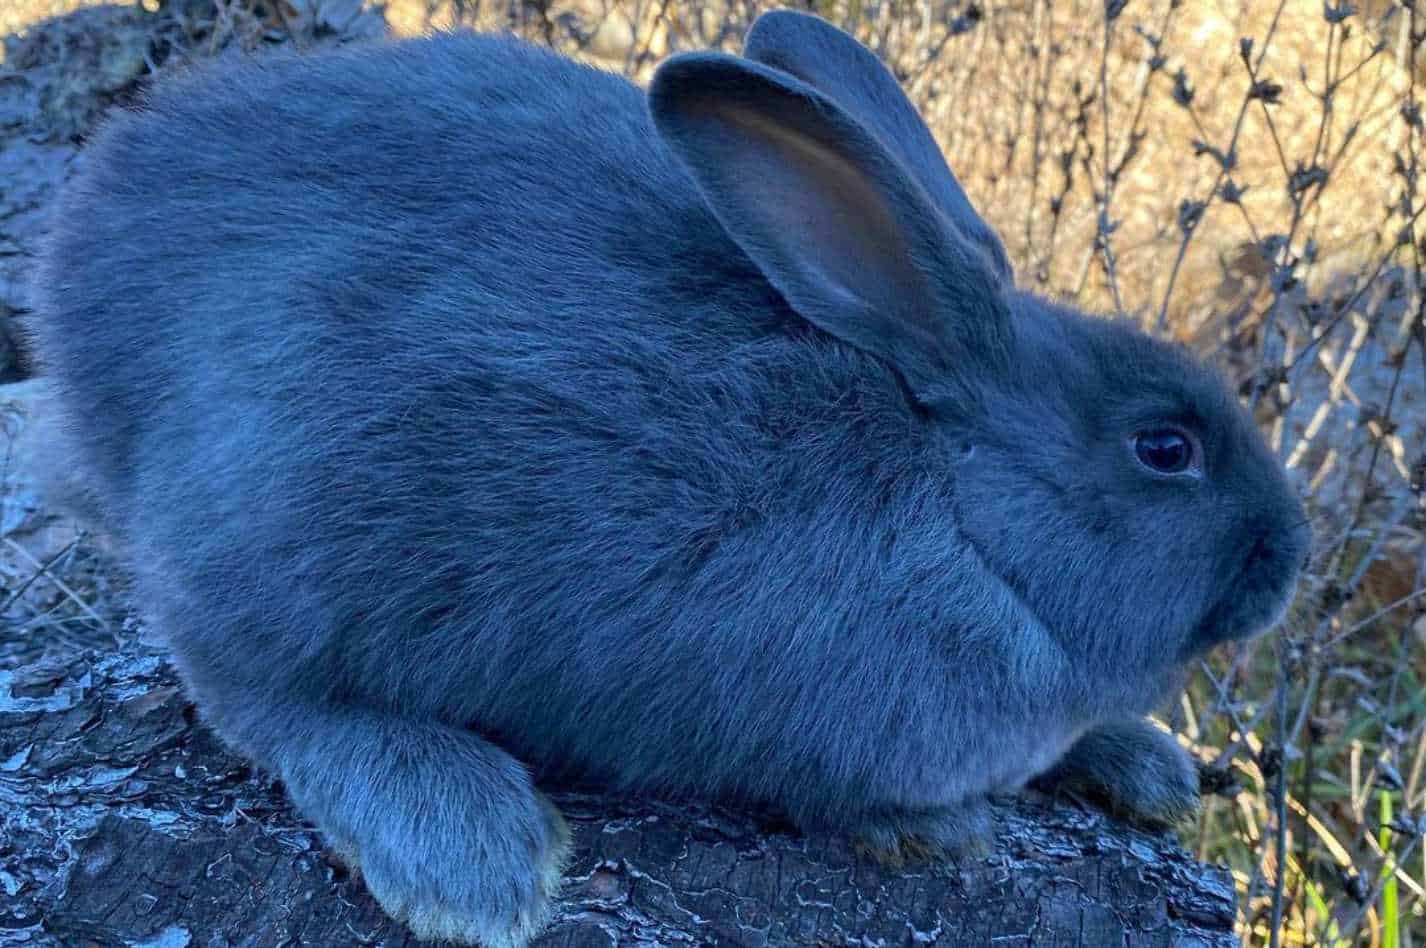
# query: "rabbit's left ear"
{"type": "Point", "coordinates": [834, 221]}
{"type": "Point", "coordinates": [835, 64]}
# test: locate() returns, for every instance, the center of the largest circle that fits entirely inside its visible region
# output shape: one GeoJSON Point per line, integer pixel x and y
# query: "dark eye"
{"type": "Point", "coordinates": [1164, 450]}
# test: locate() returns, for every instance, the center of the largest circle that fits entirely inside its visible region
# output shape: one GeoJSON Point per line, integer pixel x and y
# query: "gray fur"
{"type": "Point", "coordinates": [467, 423]}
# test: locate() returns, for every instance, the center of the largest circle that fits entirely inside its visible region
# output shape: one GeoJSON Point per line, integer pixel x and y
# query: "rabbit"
{"type": "Point", "coordinates": [475, 419]}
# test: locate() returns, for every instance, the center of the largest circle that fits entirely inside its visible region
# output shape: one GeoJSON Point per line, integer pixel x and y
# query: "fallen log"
{"type": "Point", "coordinates": [126, 822]}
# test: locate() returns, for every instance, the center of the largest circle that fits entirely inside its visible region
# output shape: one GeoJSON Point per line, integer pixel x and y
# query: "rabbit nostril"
{"type": "Point", "coordinates": [1289, 548]}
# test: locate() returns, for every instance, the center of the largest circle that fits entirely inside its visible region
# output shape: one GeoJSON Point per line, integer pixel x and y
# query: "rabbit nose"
{"type": "Point", "coordinates": [1281, 545]}
{"type": "Point", "coordinates": [1286, 543]}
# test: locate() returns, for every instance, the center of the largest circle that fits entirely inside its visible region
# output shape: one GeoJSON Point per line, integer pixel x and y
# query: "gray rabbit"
{"type": "Point", "coordinates": [472, 417]}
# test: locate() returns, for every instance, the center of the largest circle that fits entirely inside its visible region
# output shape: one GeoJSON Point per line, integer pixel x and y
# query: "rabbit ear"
{"type": "Point", "coordinates": [845, 71]}
{"type": "Point", "coordinates": [832, 219]}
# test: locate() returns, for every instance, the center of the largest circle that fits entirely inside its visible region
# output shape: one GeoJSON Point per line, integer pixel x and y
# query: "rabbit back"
{"type": "Point", "coordinates": [254, 224]}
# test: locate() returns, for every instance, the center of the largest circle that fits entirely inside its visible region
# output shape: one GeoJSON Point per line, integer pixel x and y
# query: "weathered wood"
{"type": "Point", "coordinates": [125, 822]}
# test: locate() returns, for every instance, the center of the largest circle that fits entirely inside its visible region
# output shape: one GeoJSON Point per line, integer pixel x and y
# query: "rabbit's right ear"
{"type": "Point", "coordinates": [834, 221]}
{"type": "Point", "coordinates": [848, 73]}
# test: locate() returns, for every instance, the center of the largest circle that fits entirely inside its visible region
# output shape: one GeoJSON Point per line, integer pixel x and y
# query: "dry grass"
{"type": "Point", "coordinates": [1242, 176]}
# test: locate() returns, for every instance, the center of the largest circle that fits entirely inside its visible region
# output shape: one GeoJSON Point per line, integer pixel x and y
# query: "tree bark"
{"type": "Point", "coordinates": [127, 823]}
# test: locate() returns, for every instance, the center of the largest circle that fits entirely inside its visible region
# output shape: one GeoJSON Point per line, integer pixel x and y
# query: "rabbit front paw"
{"type": "Point", "coordinates": [497, 899]}
{"type": "Point", "coordinates": [1139, 772]}
{"type": "Point", "coordinates": [446, 829]}
{"type": "Point", "coordinates": [894, 838]}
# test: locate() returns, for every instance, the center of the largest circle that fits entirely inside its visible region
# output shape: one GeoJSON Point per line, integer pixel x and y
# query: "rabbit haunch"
{"type": "Point", "coordinates": [467, 412]}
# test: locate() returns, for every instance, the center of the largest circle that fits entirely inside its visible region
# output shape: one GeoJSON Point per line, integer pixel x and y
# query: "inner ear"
{"type": "Point", "coordinates": [828, 217]}
{"type": "Point", "coordinates": [831, 218]}
{"type": "Point", "coordinates": [833, 62]}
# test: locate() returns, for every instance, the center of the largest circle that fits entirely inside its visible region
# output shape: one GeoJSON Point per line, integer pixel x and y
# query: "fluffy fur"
{"type": "Point", "coordinates": [470, 415]}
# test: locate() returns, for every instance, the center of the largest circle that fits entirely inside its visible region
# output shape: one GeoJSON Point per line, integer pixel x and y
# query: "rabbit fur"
{"type": "Point", "coordinates": [473, 417]}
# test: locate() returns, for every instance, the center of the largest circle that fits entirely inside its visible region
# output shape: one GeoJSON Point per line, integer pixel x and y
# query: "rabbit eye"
{"type": "Point", "coordinates": [1164, 450]}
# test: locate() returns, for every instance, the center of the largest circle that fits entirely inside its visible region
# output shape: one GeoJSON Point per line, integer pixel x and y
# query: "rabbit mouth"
{"type": "Point", "coordinates": [1258, 596]}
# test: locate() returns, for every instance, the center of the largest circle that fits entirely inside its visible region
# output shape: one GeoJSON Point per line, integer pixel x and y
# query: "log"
{"type": "Point", "coordinates": [126, 822]}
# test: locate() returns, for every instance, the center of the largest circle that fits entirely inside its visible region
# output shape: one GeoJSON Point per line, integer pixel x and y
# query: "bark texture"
{"type": "Point", "coordinates": [123, 821]}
